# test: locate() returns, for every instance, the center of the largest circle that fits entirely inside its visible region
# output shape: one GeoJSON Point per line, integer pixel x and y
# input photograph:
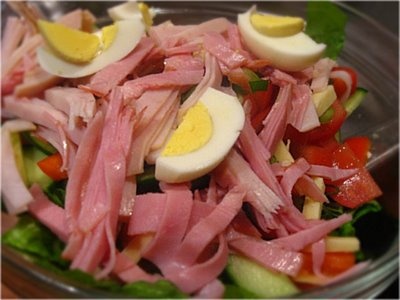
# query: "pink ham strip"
{"type": "Point", "coordinates": [331, 172]}
{"type": "Point", "coordinates": [48, 213]}
{"type": "Point", "coordinates": [151, 205]}
{"type": "Point", "coordinates": [217, 45]}
{"type": "Point", "coordinates": [209, 227]}
{"type": "Point", "coordinates": [234, 170]}
{"type": "Point", "coordinates": [28, 46]}
{"type": "Point", "coordinates": [310, 189]}
{"type": "Point", "coordinates": [35, 82]}
{"type": "Point", "coordinates": [212, 78]}
{"type": "Point", "coordinates": [13, 33]}
{"type": "Point", "coordinates": [195, 277]}
{"type": "Point", "coordinates": [128, 196]}
{"type": "Point", "coordinates": [163, 32]}
{"type": "Point", "coordinates": [14, 192]}
{"type": "Point", "coordinates": [268, 254]}
{"type": "Point", "coordinates": [171, 229]}
{"type": "Point", "coordinates": [128, 271]}
{"type": "Point", "coordinates": [299, 240]}
{"type": "Point", "coordinates": [321, 72]}
{"type": "Point", "coordinates": [74, 102]}
{"type": "Point", "coordinates": [153, 106]}
{"type": "Point", "coordinates": [181, 78]}
{"type": "Point", "coordinates": [218, 25]}
{"type": "Point", "coordinates": [275, 122]}
{"type": "Point", "coordinates": [318, 256]}
{"type": "Point", "coordinates": [281, 78]}
{"type": "Point", "coordinates": [35, 110]}
{"type": "Point", "coordinates": [109, 77]}
{"type": "Point", "coordinates": [78, 178]}
{"type": "Point", "coordinates": [183, 62]}
{"type": "Point", "coordinates": [103, 197]}
{"type": "Point", "coordinates": [188, 48]}
{"type": "Point", "coordinates": [292, 174]}
{"type": "Point", "coordinates": [303, 115]}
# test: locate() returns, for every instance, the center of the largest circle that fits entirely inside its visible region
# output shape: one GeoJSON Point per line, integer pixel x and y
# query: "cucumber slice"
{"type": "Point", "coordinates": [34, 174]}
{"type": "Point", "coordinates": [355, 100]}
{"type": "Point", "coordinates": [262, 282]}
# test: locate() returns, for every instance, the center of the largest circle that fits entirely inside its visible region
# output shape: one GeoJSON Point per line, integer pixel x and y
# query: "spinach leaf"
{"type": "Point", "coordinates": [326, 24]}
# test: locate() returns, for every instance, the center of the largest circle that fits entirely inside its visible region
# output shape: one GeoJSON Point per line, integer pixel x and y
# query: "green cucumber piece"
{"type": "Point", "coordinates": [355, 100]}
{"type": "Point", "coordinates": [34, 174]}
{"type": "Point", "coordinates": [262, 282]}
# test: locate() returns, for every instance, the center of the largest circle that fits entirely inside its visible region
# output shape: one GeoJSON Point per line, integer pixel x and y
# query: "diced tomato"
{"type": "Point", "coordinates": [51, 166]}
{"type": "Point", "coordinates": [322, 133]}
{"type": "Point", "coordinates": [261, 103]}
{"type": "Point", "coordinates": [340, 87]}
{"type": "Point", "coordinates": [357, 189]}
{"type": "Point", "coordinates": [360, 145]}
{"type": "Point", "coordinates": [353, 75]}
{"type": "Point", "coordinates": [334, 263]}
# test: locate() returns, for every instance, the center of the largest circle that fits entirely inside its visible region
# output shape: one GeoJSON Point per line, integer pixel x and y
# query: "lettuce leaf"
{"type": "Point", "coordinates": [326, 24]}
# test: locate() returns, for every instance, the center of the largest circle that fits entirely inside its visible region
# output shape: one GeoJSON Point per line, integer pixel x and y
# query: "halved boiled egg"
{"type": "Point", "coordinates": [207, 132]}
{"type": "Point", "coordinates": [72, 53]}
{"type": "Point", "coordinates": [279, 39]}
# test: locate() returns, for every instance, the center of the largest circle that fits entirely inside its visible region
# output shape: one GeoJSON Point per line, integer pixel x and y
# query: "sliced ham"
{"type": "Point", "coordinates": [15, 194]}
{"type": "Point", "coordinates": [303, 115]}
{"type": "Point", "coordinates": [109, 77]}
{"type": "Point", "coordinates": [234, 170]}
{"type": "Point", "coordinates": [332, 173]}
{"type": "Point", "coordinates": [275, 122]}
{"type": "Point", "coordinates": [135, 88]}
{"type": "Point", "coordinates": [75, 103]}
{"type": "Point", "coordinates": [48, 213]}
{"type": "Point", "coordinates": [212, 78]}
{"type": "Point", "coordinates": [217, 45]}
{"type": "Point", "coordinates": [268, 254]}
{"type": "Point", "coordinates": [299, 240]}
{"type": "Point", "coordinates": [321, 72]}
{"type": "Point", "coordinates": [183, 62]}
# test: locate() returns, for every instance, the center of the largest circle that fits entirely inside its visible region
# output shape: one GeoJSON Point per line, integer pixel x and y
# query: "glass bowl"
{"type": "Point", "coordinates": [373, 51]}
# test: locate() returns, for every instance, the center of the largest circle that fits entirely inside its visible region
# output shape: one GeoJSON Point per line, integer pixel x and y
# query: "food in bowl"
{"type": "Point", "coordinates": [274, 197]}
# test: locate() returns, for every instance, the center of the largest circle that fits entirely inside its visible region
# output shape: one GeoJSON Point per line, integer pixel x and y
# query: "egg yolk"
{"type": "Point", "coordinates": [193, 132]}
{"type": "Point", "coordinates": [108, 34]}
{"type": "Point", "coordinates": [74, 45]}
{"type": "Point", "coordinates": [276, 26]}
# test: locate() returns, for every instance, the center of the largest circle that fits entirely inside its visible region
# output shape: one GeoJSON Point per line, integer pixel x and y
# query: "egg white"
{"type": "Point", "coordinates": [290, 53]}
{"type": "Point", "coordinates": [128, 35]}
{"type": "Point", "coordinates": [227, 116]}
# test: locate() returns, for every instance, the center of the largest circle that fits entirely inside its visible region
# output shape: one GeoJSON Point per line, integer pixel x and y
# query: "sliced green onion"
{"type": "Point", "coordinates": [238, 89]}
{"type": "Point", "coordinates": [259, 85]}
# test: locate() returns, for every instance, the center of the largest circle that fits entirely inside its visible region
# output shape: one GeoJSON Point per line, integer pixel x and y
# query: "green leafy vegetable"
{"type": "Point", "coordinates": [159, 289]}
{"type": "Point", "coordinates": [333, 210]}
{"type": "Point", "coordinates": [34, 239]}
{"type": "Point", "coordinates": [56, 192]}
{"type": "Point", "coordinates": [326, 24]}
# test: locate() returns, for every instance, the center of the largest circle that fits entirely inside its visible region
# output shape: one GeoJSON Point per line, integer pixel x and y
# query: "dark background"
{"type": "Point", "coordinates": [387, 14]}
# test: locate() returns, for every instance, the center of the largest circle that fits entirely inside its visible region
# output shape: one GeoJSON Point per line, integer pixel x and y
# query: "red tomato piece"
{"type": "Point", "coordinates": [51, 166]}
{"type": "Point", "coordinates": [322, 133]}
{"type": "Point", "coordinates": [360, 145]}
{"type": "Point", "coordinates": [334, 263]}
{"type": "Point", "coordinates": [357, 189]}
{"type": "Point", "coordinates": [340, 87]}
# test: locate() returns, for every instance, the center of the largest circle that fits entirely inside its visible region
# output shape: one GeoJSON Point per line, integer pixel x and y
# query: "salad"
{"type": "Point", "coordinates": [202, 160]}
